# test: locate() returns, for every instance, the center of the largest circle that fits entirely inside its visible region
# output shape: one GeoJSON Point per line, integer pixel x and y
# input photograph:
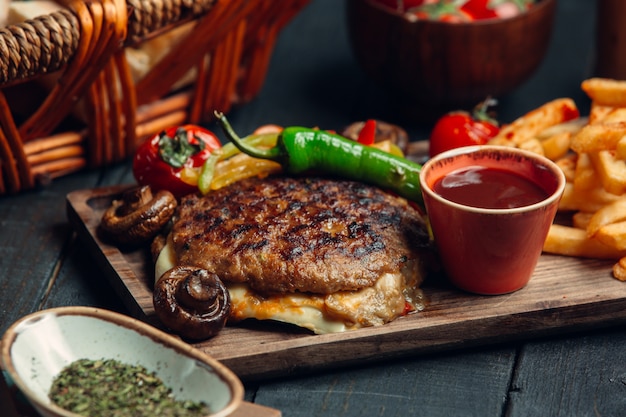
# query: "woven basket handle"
{"type": "Point", "coordinates": [46, 43]}
{"type": "Point", "coordinates": [83, 48]}
{"type": "Point", "coordinates": [39, 46]}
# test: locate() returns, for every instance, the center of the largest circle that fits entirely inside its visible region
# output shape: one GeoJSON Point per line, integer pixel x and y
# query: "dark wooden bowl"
{"type": "Point", "coordinates": [438, 66]}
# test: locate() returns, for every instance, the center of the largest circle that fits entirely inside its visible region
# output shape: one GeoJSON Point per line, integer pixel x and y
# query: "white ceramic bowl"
{"type": "Point", "coordinates": [38, 346]}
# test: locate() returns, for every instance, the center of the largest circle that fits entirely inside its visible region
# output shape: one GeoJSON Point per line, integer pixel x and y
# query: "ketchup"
{"type": "Point", "coordinates": [489, 188]}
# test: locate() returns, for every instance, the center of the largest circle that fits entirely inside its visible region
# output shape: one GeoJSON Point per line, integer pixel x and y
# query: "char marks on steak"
{"type": "Point", "coordinates": [283, 234]}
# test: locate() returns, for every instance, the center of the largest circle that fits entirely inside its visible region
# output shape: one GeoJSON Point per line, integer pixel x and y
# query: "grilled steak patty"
{"type": "Point", "coordinates": [283, 234]}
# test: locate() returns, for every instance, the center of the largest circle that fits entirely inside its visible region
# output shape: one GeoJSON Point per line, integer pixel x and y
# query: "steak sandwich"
{"type": "Point", "coordinates": [327, 255]}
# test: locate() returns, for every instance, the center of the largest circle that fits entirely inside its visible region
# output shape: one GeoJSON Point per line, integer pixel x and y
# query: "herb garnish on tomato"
{"type": "Point", "coordinates": [173, 159]}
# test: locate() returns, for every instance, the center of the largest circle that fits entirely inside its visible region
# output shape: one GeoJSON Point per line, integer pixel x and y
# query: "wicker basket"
{"type": "Point", "coordinates": [82, 46]}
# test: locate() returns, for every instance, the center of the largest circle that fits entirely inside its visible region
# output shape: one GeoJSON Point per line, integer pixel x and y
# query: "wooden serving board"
{"type": "Point", "coordinates": [565, 294]}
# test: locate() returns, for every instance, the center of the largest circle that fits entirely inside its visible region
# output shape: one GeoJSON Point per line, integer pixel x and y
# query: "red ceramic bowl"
{"type": "Point", "coordinates": [438, 66]}
{"type": "Point", "coordinates": [491, 250]}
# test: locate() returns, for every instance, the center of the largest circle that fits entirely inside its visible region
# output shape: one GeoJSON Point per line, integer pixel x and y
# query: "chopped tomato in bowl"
{"type": "Point", "coordinates": [455, 11]}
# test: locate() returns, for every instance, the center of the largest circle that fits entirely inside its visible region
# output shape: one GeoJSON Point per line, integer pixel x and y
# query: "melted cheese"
{"type": "Point", "coordinates": [372, 306]}
{"type": "Point", "coordinates": [303, 310]}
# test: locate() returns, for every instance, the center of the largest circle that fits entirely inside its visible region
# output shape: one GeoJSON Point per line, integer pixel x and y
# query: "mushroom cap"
{"type": "Point", "coordinates": [192, 301]}
{"type": "Point", "coordinates": [138, 216]}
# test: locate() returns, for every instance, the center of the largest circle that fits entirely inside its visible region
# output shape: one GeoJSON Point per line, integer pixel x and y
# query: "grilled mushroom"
{"type": "Point", "coordinates": [192, 302]}
{"type": "Point", "coordinates": [138, 216]}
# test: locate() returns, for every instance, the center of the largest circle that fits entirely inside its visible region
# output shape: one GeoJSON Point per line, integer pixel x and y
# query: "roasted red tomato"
{"type": "Point", "coordinates": [461, 128]}
{"type": "Point", "coordinates": [173, 159]}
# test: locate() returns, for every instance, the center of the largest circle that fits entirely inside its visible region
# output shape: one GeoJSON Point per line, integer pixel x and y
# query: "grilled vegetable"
{"type": "Point", "coordinates": [173, 159]}
{"type": "Point", "coordinates": [299, 150]}
{"type": "Point", "coordinates": [462, 128]}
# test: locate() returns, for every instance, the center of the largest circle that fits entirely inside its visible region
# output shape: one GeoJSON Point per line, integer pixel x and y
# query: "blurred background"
{"type": "Point", "coordinates": [330, 93]}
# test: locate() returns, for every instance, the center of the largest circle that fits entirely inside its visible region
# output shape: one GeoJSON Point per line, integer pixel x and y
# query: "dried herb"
{"type": "Point", "coordinates": [109, 388]}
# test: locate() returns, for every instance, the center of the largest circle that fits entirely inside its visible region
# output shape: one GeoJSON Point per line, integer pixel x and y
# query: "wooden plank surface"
{"type": "Point", "coordinates": [565, 294]}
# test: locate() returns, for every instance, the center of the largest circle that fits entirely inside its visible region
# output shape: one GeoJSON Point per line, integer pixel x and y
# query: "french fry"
{"type": "Point", "coordinates": [571, 126]}
{"type": "Point", "coordinates": [568, 166]}
{"type": "Point", "coordinates": [569, 200]}
{"type": "Point", "coordinates": [598, 137]}
{"type": "Point", "coordinates": [605, 91]}
{"type": "Point", "coordinates": [612, 171]}
{"type": "Point", "coordinates": [619, 269]}
{"type": "Point", "coordinates": [598, 112]}
{"type": "Point", "coordinates": [615, 115]}
{"type": "Point", "coordinates": [532, 123]}
{"type": "Point", "coordinates": [592, 155]}
{"type": "Point", "coordinates": [557, 145]}
{"type": "Point", "coordinates": [585, 176]}
{"type": "Point", "coordinates": [589, 200]}
{"type": "Point", "coordinates": [581, 219]}
{"type": "Point", "coordinates": [532, 145]}
{"type": "Point", "coordinates": [620, 148]}
{"type": "Point", "coordinates": [570, 241]}
{"type": "Point", "coordinates": [613, 235]}
{"type": "Point", "coordinates": [598, 197]}
{"type": "Point", "coordinates": [611, 213]}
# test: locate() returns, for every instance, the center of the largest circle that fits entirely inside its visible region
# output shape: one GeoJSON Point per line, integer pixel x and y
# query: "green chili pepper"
{"type": "Point", "coordinates": [300, 150]}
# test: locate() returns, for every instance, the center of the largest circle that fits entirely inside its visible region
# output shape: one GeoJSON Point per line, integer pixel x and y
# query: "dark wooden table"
{"type": "Point", "coordinates": [314, 81]}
